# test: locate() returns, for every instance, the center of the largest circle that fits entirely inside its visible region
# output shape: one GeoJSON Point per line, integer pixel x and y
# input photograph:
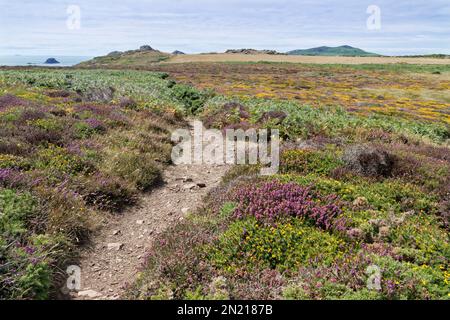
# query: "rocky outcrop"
{"type": "Point", "coordinates": [253, 51]}
{"type": "Point", "coordinates": [114, 54]}
{"type": "Point", "coordinates": [51, 61]}
{"type": "Point", "coordinates": [146, 48]}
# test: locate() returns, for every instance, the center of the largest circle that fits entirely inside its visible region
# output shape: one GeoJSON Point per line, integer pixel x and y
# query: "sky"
{"type": "Point", "coordinates": [50, 27]}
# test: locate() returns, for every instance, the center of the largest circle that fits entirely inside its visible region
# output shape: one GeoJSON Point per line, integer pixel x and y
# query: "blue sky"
{"type": "Point", "coordinates": [37, 27]}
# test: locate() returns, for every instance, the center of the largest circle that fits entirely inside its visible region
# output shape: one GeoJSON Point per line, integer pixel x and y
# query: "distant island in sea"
{"type": "Point", "coordinates": [51, 61]}
{"type": "Point", "coordinates": [39, 60]}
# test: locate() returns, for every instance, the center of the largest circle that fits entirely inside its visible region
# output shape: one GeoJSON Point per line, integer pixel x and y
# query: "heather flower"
{"type": "Point", "coordinates": [95, 124]}
{"type": "Point", "coordinates": [100, 110]}
{"type": "Point", "coordinates": [274, 199]}
{"type": "Point", "coordinates": [9, 100]}
{"type": "Point", "coordinates": [29, 250]}
{"type": "Point", "coordinates": [11, 178]}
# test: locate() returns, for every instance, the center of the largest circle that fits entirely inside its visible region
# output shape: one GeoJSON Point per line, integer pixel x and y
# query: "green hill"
{"type": "Point", "coordinates": [143, 56]}
{"type": "Point", "coordinates": [347, 51]}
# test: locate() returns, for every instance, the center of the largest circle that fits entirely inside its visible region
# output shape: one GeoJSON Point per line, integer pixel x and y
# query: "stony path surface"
{"type": "Point", "coordinates": [117, 251]}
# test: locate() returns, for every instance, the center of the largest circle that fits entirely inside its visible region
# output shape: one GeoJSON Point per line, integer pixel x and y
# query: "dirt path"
{"type": "Point", "coordinates": [118, 250]}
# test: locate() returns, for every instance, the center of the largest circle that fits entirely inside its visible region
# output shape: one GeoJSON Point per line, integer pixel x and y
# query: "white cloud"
{"type": "Point", "coordinates": [39, 27]}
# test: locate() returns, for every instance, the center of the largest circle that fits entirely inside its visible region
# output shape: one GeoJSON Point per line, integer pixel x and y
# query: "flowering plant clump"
{"type": "Point", "coordinates": [275, 199]}
{"type": "Point", "coordinates": [95, 124]}
{"type": "Point", "coordinates": [12, 178]}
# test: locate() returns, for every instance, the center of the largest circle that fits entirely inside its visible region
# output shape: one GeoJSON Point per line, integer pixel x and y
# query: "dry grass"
{"type": "Point", "coordinates": [300, 59]}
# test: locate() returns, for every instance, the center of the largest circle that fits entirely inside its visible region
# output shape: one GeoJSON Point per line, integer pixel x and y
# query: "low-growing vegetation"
{"type": "Point", "coordinates": [363, 183]}
{"type": "Point", "coordinates": [75, 147]}
{"type": "Point", "coordinates": [356, 192]}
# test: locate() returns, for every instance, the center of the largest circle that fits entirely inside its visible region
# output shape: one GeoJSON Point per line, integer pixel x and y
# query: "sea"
{"type": "Point", "coordinates": [23, 60]}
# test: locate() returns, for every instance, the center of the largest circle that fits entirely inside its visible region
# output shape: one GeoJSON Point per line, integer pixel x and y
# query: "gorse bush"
{"type": "Point", "coordinates": [286, 246]}
{"type": "Point", "coordinates": [59, 159]}
{"type": "Point", "coordinates": [392, 194]}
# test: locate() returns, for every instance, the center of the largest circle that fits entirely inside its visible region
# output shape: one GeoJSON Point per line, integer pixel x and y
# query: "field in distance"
{"type": "Point", "coordinates": [222, 57]}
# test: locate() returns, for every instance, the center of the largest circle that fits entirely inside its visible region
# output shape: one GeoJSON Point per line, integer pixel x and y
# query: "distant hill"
{"type": "Point", "coordinates": [346, 51]}
{"type": "Point", "coordinates": [142, 56]}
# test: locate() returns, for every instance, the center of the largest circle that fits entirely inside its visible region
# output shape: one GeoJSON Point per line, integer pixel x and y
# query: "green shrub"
{"type": "Point", "coordinates": [390, 194]}
{"type": "Point", "coordinates": [15, 208]}
{"type": "Point", "coordinates": [58, 159]}
{"type": "Point", "coordinates": [107, 193]}
{"type": "Point", "coordinates": [139, 169]}
{"type": "Point", "coordinates": [308, 161]}
{"type": "Point", "coordinates": [48, 124]}
{"type": "Point", "coordinates": [192, 99]}
{"type": "Point", "coordinates": [83, 131]}
{"type": "Point", "coordinates": [11, 115]}
{"type": "Point", "coordinates": [15, 162]}
{"type": "Point", "coordinates": [403, 280]}
{"type": "Point", "coordinates": [285, 246]}
{"type": "Point", "coordinates": [35, 282]}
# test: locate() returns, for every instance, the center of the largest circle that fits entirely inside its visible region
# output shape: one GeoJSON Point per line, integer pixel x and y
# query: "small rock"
{"type": "Point", "coordinates": [185, 179]}
{"type": "Point", "coordinates": [360, 202]}
{"type": "Point", "coordinates": [384, 232]}
{"type": "Point", "coordinates": [409, 213]}
{"type": "Point", "coordinates": [377, 222]}
{"type": "Point", "coordinates": [116, 232]}
{"type": "Point", "coordinates": [185, 210]}
{"type": "Point", "coordinates": [190, 186]}
{"type": "Point", "coordinates": [115, 246]}
{"type": "Point", "coordinates": [355, 233]}
{"type": "Point", "coordinates": [201, 185]}
{"type": "Point", "coordinates": [140, 222]}
{"type": "Point", "coordinates": [89, 293]}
